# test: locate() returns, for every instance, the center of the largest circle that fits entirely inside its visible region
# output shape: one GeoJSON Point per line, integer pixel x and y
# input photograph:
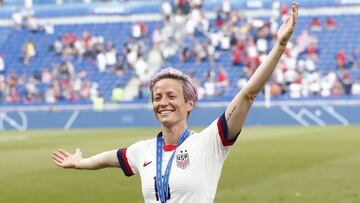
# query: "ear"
{"type": "Point", "coordinates": [190, 105]}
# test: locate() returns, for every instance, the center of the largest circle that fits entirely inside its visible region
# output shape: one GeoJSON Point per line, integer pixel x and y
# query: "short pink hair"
{"type": "Point", "coordinates": [190, 88]}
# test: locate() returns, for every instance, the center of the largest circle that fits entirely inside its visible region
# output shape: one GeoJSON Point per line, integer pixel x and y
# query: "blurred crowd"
{"type": "Point", "coordinates": [186, 36]}
{"type": "Point", "coordinates": [249, 40]}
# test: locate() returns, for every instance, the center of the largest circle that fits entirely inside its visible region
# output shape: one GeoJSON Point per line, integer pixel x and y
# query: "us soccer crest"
{"type": "Point", "coordinates": [182, 159]}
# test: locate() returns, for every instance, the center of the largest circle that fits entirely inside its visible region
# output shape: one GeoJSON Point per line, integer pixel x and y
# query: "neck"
{"type": "Point", "coordinates": [171, 135]}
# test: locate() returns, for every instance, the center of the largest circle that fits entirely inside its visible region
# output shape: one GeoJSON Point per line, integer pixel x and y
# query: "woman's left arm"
{"type": "Point", "coordinates": [238, 109]}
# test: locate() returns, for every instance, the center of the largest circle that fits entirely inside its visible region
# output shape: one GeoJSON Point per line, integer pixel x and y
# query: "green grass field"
{"type": "Point", "coordinates": [267, 164]}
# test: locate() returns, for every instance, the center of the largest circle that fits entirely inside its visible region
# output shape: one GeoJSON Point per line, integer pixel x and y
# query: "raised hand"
{"type": "Point", "coordinates": [65, 159]}
{"type": "Point", "coordinates": [288, 27]}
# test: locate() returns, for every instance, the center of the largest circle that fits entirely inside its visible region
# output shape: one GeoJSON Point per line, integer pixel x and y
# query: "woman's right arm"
{"type": "Point", "coordinates": [64, 159]}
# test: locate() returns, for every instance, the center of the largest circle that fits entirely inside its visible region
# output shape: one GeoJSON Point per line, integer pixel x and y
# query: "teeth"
{"type": "Point", "coordinates": [165, 112]}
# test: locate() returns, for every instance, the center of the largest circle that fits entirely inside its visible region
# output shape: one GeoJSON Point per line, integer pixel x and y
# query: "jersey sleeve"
{"type": "Point", "coordinates": [129, 158]}
{"type": "Point", "coordinates": [216, 139]}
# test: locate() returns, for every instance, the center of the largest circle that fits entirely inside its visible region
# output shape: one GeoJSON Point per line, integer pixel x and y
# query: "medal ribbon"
{"type": "Point", "coordinates": [163, 183]}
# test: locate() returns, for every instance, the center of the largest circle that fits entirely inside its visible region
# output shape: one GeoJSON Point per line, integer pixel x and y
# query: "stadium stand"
{"type": "Point", "coordinates": [328, 66]}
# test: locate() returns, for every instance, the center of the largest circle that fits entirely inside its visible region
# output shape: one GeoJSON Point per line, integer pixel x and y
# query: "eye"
{"type": "Point", "coordinates": [172, 97]}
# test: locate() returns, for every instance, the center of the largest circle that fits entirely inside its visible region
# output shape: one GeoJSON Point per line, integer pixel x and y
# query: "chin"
{"type": "Point", "coordinates": [167, 122]}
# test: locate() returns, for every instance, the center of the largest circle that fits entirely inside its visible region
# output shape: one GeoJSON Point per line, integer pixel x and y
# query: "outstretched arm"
{"type": "Point", "coordinates": [65, 159]}
{"type": "Point", "coordinates": [239, 107]}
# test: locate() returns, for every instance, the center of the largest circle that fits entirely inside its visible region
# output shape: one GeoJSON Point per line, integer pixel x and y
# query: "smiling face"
{"type": "Point", "coordinates": [169, 103]}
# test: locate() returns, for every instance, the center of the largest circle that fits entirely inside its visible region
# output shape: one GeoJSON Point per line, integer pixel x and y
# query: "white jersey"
{"type": "Point", "coordinates": [196, 166]}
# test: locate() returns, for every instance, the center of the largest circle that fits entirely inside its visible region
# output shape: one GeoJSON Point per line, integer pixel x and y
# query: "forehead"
{"type": "Point", "coordinates": [168, 85]}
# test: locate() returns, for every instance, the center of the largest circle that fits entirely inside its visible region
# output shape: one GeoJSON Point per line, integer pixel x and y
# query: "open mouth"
{"type": "Point", "coordinates": [165, 112]}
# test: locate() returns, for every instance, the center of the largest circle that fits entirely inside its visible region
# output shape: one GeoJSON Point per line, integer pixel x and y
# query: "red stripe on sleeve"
{"type": "Point", "coordinates": [123, 156]}
{"type": "Point", "coordinates": [223, 130]}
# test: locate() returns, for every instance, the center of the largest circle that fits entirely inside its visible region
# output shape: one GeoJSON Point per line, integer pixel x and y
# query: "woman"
{"type": "Point", "coordinates": [179, 165]}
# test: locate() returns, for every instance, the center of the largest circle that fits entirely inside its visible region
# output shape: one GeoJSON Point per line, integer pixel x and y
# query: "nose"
{"type": "Point", "coordinates": [164, 101]}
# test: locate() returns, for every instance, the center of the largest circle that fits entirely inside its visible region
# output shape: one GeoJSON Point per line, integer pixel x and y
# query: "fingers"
{"type": "Point", "coordinates": [295, 9]}
{"type": "Point", "coordinates": [64, 152]}
{"type": "Point", "coordinates": [57, 161]}
{"type": "Point", "coordinates": [57, 158]}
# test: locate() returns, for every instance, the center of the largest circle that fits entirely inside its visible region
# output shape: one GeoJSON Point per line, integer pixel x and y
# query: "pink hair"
{"type": "Point", "coordinates": [190, 88]}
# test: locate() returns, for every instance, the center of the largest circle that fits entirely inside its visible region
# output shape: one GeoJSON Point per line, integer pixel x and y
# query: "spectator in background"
{"type": "Point", "coordinates": [79, 49]}
{"type": "Point", "coordinates": [166, 9]}
{"type": "Point", "coordinates": [275, 89]}
{"type": "Point", "coordinates": [13, 95]}
{"type": "Point", "coordinates": [46, 76]}
{"type": "Point", "coordinates": [210, 88]}
{"type": "Point", "coordinates": [117, 93]}
{"type": "Point", "coordinates": [141, 67]}
{"type": "Point", "coordinates": [226, 7]}
{"type": "Point", "coordinates": [312, 51]}
{"type": "Point", "coordinates": [69, 69]}
{"type": "Point", "coordinates": [354, 61]}
{"type": "Point", "coordinates": [347, 81]}
{"type": "Point", "coordinates": [211, 52]}
{"type": "Point", "coordinates": [330, 23]}
{"type": "Point", "coordinates": [85, 40]}
{"type": "Point", "coordinates": [196, 4]}
{"type": "Point", "coordinates": [199, 52]}
{"type": "Point", "coordinates": [57, 46]}
{"type": "Point", "coordinates": [184, 54]}
{"type": "Point", "coordinates": [237, 56]}
{"type": "Point", "coordinates": [209, 84]}
{"type": "Point", "coordinates": [224, 39]}
{"type": "Point", "coordinates": [303, 41]}
{"type": "Point", "coordinates": [2, 64]}
{"type": "Point", "coordinates": [49, 28]}
{"type": "Point", "coordinates": [275, 10]}
{"type": "Point", "coordinates": [69, 38]}
{"type": "Point", "coordinates": [222, 79]}
{"type": "Point", "coordinates": [338, 89]}
{"type": "Point", "coordinates": [341, 60]}
{"type": "Point", "coordinates": [295, 90]}
{"type": "Point", "coordinates": [31, 22]}
{"type": "Point", "coordinates": [356, 88]}
{"type": "Point", "coordinates": [68, 90]}
{"type": "Point", "coordinates": [284, 11]}
{"type": "Point", "coordinates": [183, 6]}
{"type": "Point", "coordinates": [143, 29]}
{"type": "Point", "coordinates": [30, 86]}
{"type": "Point", "coordinates": [327, 83]}
{"type": "Point", "coordinates": [57, 90]}
{"type": "Point", "coordinates": [139, 30]}
{"type": "Point", "coordinates": [315, 24]}
{"type": "Point", "coordinates": [98, 103]}
{"type": "Point", "coordinates": [17, 18]}
{"type": "Point", "coordinates": [28, 51]}
{"type": "Point", "coordinates": [94, 91]}
{"type": "Point", "coordinates": [110, 55]}
{"type": "Point", "coordinates": [157, 37]}
{"type": "Point", "coordinates": [220, 18]}
{"type": "Point", "coordinates": [50, 95]}
{"type": "Point", "coordinates": [143, 91]}
{"type": "Point", "coordinates": [222, 82]}
{"type": "Point", "coordinates": [85, 90]}
{"type": "Point", "coordinates": [241, 82]}
{"type": "Point", "coordinates": [101, 61]}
